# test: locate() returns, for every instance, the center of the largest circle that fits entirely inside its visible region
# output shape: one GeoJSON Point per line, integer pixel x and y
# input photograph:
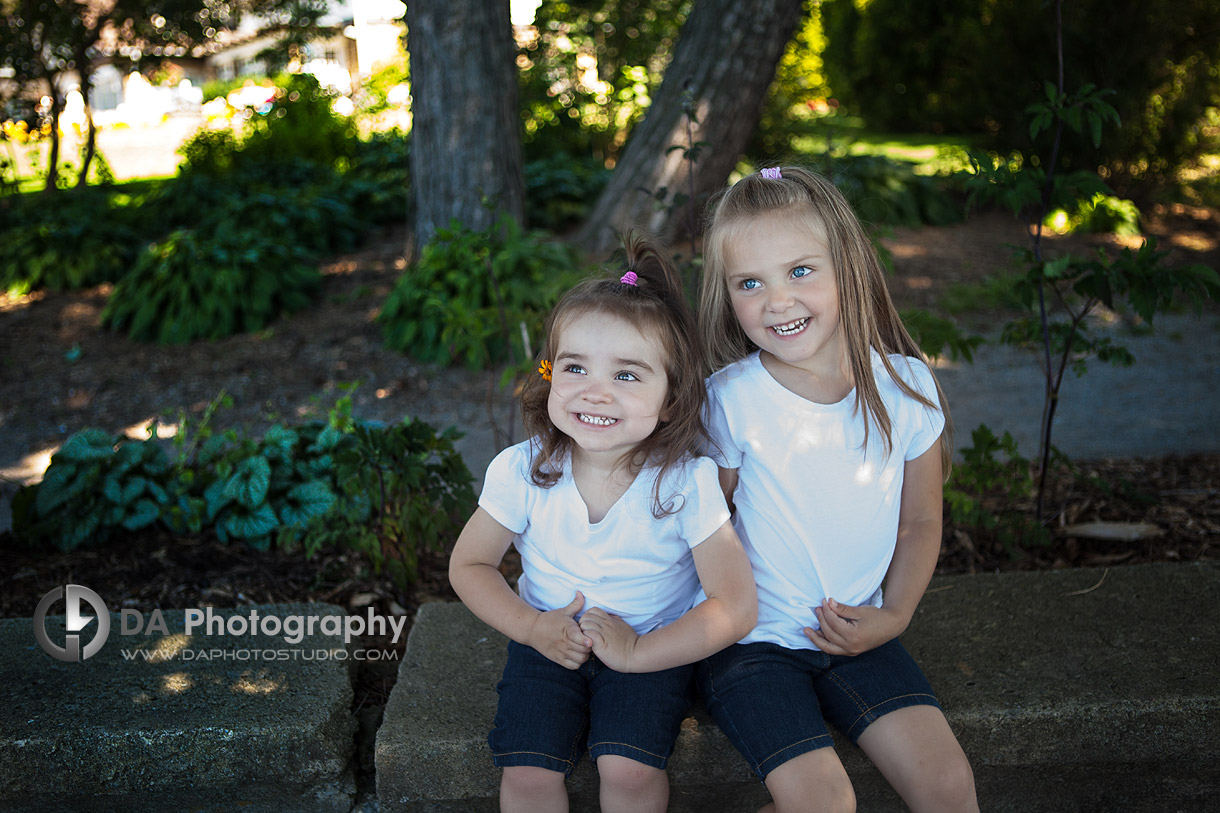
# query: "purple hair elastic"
{"type": "Point", "coordinates": [771, 173]}
{"type": "Point", "coordinates": [630, 278]}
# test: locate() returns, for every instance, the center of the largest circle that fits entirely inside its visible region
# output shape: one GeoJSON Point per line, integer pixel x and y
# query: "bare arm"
{"type": "Point", "coordinates": [852, 630]}
{"type": "Point", "coordinates": [728, 484]}
{"type": "Point", "coordinates": [476, 578]}
{"type": "Point", "coordinates": [728, 614]}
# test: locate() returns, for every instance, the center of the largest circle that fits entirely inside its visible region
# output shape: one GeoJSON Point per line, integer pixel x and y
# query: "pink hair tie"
{"type": "Point", "coordinates": [629, 278]}
{"type": "Point", "coordinates": [771, 174]}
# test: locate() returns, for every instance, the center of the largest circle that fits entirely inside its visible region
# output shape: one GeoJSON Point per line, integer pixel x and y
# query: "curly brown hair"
{"type": "Point", "coordinates": [867, 314]}
{"type": "Point", "coordinates": [657, 307]}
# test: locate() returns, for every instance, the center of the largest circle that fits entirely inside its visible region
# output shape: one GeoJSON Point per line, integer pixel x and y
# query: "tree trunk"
{"type": "Point", "coordinates": [722, 68]}
{"type": "Point", "coordinates": [52, 184]}
{"type": "Point", "coordinates": [466, 132]}
{"type": "Point", "coordinates": [85, 72]}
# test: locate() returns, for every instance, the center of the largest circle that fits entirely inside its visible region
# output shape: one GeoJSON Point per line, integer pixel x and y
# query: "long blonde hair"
{"type": "Point", "coordinates": [656, 306]}
{"type": "Point", "coordinates": [867, 315]}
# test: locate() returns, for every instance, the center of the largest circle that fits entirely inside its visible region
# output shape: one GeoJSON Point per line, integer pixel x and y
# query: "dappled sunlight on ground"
{"type": "Point", "coordinates": [248, 684]}
{"type": "Point", "coordinates": [140, 429]}
{"type": "Point", "coordinates": [905, 251]}
{"type": "Point", "coordinates": [12, 301]}
{"type": "Point", "coordinates": [29, 469]}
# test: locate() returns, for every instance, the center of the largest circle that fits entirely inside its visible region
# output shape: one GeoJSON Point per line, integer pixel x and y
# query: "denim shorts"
{"type": "Point", "coordinates": [773, 703]}
{"type": "Point", "coordinates": [548, 715]}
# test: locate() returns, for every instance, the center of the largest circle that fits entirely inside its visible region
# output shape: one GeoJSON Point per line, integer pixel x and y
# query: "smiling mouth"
{"type": "Point", "coordinates": [595, 420]}
{"type": "Point", "coordinates": [792, 328]}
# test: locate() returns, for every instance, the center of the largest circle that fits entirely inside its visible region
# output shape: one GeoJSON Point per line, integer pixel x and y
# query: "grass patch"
{"type": "Point", "coordinates": [930, 153]}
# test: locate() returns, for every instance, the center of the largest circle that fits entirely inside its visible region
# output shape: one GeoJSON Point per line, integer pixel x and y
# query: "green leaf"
{"type": "Point", "coordinates": [86, 445]}
{"type": "Point", "coordinates": [251, 525]}
{"type": "Point", "coordinates": [56, 488]}
{"type": "Point", "coordinates": [144, 513]}
{"type": "Point", "coordinates": [250, 481]}
{"type": "Point", "coordinates": [306, 501]}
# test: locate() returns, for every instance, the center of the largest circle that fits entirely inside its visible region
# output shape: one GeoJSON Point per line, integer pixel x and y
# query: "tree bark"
{"type": "Point", "coordinates": [85, 71]}
{"type": "Point", "coordinates": [466, 132]}
{"type": "Point", "coordinates": [722, 68]}
{"type": "Point", "coordinates": [52, 184]}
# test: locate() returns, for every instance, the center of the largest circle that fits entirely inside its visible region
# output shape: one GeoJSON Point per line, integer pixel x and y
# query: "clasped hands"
{"type": "Point", "coordinates": [852, 630]}
{"type": "Point", "coordinates": [568, 642]}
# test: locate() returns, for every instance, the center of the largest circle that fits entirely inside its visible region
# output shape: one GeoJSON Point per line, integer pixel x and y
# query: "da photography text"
{"type": "Point", "coordinates": [292, 628]}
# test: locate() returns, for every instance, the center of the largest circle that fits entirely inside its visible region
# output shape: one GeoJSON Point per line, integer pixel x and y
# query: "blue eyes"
{"type": "Point", "coordinates": [752, 284]}
{"type": "Point", "coordinates": [626, 376]}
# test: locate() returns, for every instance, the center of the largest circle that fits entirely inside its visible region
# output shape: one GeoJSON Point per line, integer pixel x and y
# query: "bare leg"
{"type": "Point", "coordinates": [527, 789]}
{"type": "Point", "coordinates": [630, 786]}
{"type": "Point", "coordinates": [915, 750]}
{"type": "Point", "coordinates": [813, 781]}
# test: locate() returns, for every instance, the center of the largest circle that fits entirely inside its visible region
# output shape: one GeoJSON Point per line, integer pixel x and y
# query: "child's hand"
{"type": "Point", "coordinates": [557, 635]}
{"type": "Point", "coordinates": [852, 630]}
{"type": "Point", "coordinates": [613, 638]}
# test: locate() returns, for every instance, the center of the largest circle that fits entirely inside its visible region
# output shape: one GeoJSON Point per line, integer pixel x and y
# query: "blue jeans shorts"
{"type": "Point", "coordinates": [548, 715]}
{"type": "Point", "coordinates": [773, 703]}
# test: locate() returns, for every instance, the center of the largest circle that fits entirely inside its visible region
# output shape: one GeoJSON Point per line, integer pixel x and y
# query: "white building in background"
{"type": "Point", "coordinates": [366, 35]}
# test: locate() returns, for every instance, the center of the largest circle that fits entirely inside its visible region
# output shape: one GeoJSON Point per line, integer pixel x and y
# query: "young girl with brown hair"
{"type": "Point", "coordinates": [618, 521]}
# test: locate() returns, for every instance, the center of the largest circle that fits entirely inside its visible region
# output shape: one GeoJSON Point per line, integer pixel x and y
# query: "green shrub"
{"type": "Point", "coordinates": [209, 152]}
{"type": "Point", "coordinates": [376, 180]}
{"type": "Point", "coordinates": [1101, 214]}
{"type": "Point", "coordinates": [559, 189]}
{"type": "Point", "coordinates": [974, 66]}
{"type": "Point", "coordinates": [96, 484]}
{"type": "Point", "coordinates": [191, 286]}
{"type": "Point", "coordinates": [317, 220]}
{"type": "Point", "coordinates": [470, 288]}
{"type": "Point", "coordinates": [938, 336]}
{"type": "Point", "coordinates": [889, 192]}
{"type": "Point", "coordinates": [388, 493]}
{"type": "Point", "coordinates": [299, 126]}
{"type": "Point", "coordinates": [76, 239]}
{"type": "Point", "coordinates": [987, 490]}
{"type": "Point", "coordinates": [270, 489]}
{"type": "Point", "coordinates": [404, 489]}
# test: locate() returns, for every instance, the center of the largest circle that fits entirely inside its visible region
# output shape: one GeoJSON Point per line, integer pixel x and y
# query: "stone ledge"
{"type": "Point", "coordinates": [175, 732]}
{"type": "Point", "coordinates": [1069, 690]}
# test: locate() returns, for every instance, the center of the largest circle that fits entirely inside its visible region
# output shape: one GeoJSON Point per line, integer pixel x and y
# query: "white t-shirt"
{"type": "Point", "coordinates": [630, 564]}
{"type": "Point", "coordinates": [817, 514]}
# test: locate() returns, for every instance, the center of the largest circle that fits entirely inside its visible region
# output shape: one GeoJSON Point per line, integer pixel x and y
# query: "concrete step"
{"type": "Point", "coordinates": [1080, 690]}
{"type": "Point", "coordinates": [201, 722]}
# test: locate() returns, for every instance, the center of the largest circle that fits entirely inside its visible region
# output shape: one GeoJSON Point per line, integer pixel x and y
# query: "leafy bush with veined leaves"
{"type": "Point", "coordinates": [386, 492]}
{"type": "Point", "coordinates": [472, 293]}
{"type": "Point", "coordinates": [96, 484]}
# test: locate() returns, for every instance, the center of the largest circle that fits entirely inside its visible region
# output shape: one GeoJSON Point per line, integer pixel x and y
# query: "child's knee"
{"type": "Point", "coordinates": [527, 781]}
{"type": "Point", "coordinates": [953, 785]}
{"type": "Point", "coordinates": [814, 780]}
{"type": "Point", "coordinates": [626, 777]}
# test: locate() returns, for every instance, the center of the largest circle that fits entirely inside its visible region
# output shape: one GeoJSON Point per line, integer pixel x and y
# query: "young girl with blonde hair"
{"type": "Point", "coordinates": [618, 520]}
{"type": "Point", "coordinates": [833, 439]}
